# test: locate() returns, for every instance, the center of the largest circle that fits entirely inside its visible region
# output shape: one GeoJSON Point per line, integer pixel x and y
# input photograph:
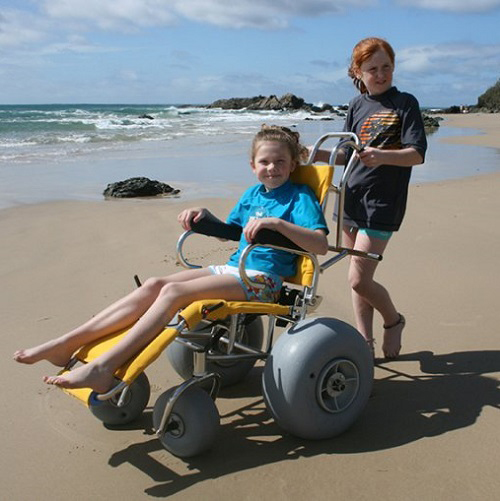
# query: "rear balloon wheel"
{"type": "Point", "coordinates": [231, 372]}
{"type": "Point", "coordinates": [318, 378]}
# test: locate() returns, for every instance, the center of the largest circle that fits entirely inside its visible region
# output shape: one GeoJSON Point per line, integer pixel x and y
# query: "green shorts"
{"type": "Point", "coordinates": [381, 234]}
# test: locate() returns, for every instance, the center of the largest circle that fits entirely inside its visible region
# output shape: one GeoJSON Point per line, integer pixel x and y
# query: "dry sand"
{"type": "Point", "coordinates": [430, 430]}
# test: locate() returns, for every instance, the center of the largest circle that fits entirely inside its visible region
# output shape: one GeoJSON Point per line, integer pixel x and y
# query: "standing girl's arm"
{"type": "Point", "coordinates": [324, 156]}
{"type": "Point", "coordinates": [407, 157]}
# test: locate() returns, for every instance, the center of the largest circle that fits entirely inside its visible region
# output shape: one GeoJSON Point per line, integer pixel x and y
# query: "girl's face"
{"type": "Point", "coordinates": [376, 73]}
{"type": "Point", "coordinates": [272, 163]}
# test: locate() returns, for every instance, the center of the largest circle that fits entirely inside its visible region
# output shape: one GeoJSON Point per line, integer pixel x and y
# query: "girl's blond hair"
{"type": "Point", "coordinates": [284, 135]}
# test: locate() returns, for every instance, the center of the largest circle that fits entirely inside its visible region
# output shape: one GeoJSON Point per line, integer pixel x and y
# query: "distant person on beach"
{"type": "Point", "coordinates": [390, 126]}
{"type": "Point", "coordinates": [276, 204]}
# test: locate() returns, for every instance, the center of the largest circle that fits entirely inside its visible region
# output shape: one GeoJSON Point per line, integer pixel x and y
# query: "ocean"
{"type": "Point", "coordinates": [53, 132]}
{"type": "Point", "coordinates": [50, 152]}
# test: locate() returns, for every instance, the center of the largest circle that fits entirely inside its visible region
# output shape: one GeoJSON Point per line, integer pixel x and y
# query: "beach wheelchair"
{"type": "Point", "coordinates": [317, 376]}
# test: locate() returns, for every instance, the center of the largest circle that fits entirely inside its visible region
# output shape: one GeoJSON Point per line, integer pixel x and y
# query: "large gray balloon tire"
{"type": "Point", "coordinates": [318, 378]}
{"type": "Point", "coordinates": [196, 422]}
{"type": "Point", "coordinates": [181, 357]}
{"type": "Point", "coordinates": [136, 399]}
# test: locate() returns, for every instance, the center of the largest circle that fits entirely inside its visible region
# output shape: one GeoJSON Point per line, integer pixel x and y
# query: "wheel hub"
{"type": "Point", "coordinates": [337, 385]}
{"type": "Point", "coordinates": [175, 426]}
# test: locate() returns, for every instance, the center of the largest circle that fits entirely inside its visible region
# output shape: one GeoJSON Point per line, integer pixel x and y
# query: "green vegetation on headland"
{"type": "Point", "coordinates": [490, 100]}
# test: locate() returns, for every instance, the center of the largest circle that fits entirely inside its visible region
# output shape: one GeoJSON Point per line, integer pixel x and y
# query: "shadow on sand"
{"type": "Point", "coordinates": [448, 393]}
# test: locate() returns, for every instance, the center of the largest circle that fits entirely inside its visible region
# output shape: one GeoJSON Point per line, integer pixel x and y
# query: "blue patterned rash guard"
{"type": "Point", "coordinates": [295, 203]}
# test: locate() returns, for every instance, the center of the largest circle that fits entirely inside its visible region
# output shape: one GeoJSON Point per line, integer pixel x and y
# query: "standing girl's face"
{"type": "Point", "coordinates": [272, 163]}
{"type": "Point", "coordinates": [376, 73]}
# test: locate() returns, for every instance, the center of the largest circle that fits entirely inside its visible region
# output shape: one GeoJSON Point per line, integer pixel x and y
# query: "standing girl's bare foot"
{"type": "Point", "coordinates": [53, 351]}
{"type": "Point", "coordinates": [392, 338]}
{"type": "Point", "coordinates": [94, 376]}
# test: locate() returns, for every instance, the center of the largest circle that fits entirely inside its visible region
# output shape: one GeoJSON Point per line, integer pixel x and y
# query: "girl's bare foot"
{"type": "Point", "coordinates": [89, 375]}
{"type": "Point", "coordinates": [53, 351]}
{"type": "Point", "coordinates": [392, 338]}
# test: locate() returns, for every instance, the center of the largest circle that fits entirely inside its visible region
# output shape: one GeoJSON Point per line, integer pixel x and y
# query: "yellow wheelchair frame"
{"type": "Point", "coordinates": [317, 376]}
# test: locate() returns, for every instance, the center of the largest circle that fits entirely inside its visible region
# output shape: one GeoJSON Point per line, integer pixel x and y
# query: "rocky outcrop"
{"type": "Point", "coordinates": [287, 102]}
{"type": "Point", "coordinates": [138, 187]}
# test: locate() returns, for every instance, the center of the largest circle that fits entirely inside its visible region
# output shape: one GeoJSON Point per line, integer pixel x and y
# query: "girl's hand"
{"type": "Point", "coordinates": [192, 214]}
{"type": "Point", "coordinates": [371, 157]}
{"type": "Point", "coordinates": [255, 225]}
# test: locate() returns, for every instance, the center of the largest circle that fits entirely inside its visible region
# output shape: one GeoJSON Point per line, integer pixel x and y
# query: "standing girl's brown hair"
{"type": "Point", "coordinates": [362, 51]}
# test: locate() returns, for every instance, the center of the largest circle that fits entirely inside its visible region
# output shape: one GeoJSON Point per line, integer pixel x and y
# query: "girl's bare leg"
{"type": "Point", "coordinates": [114, 318]}
{"type": "Point", "coordinates": [369, 295]}
{"type": "Point", "coordinates": [98, 374]}
{"type": "Point", "coordinates": [363, 310]}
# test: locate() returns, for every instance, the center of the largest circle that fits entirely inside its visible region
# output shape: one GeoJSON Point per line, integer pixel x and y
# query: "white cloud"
{"type": "Point", "coordinates": [130, 14]}
{"type": "Point", "coordinates": [453, 5]}
{"type": "Point", "coordinates": [260, 14]}
{"type": "Point", "coordinates": [122, 15]}
{"type": "Point", "coordinates": [18, 29]}
{"type": "Point", "coordinates": [33, 34]}
{"type": "Point", "coordinates": [449, 73]}
{"type": "Point", "coordinates": [451, 59]}
{"type": "Point", "coordinates": [74, 43]}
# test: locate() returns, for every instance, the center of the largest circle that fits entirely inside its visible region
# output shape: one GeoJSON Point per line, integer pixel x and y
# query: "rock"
{"type": "Point", "coordinates": [268, 103]}
{"type": "Point", "coordinates": [138, 187]}
{"type": "Point", "coordinates": [453, 109]}
{"type": "Point", "coordinates": [319, 118]}
{"type": "Point", "coordinates": [144, 115]}
{"type": "Point", "coordinates": [291, 102]}
{"type": "Point", "coordinates": [431, 121]}
{"type": "Point", "coordinates": [236, 103]}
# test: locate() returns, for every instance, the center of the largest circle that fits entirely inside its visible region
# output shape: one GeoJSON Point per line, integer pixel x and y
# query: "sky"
{"type": "Point", "coordinates": [197, 51]}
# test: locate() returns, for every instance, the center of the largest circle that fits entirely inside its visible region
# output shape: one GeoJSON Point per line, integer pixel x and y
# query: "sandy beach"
{"type": "Point", "coordinates": [488, 125]}
{"type": "Point", "coordinates": [430, 430]}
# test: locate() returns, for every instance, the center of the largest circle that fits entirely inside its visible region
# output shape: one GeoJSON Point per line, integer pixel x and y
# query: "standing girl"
{"type": "Point", "coordinates": [390, 126]}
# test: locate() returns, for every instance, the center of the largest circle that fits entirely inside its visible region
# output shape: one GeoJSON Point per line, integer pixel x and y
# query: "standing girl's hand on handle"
{"type": "Point", "coordinates": [374, 157]}
{"type": "Point", "coordinates": [192, 214]}
{"type": "Point", "coordinates": [371, 157]}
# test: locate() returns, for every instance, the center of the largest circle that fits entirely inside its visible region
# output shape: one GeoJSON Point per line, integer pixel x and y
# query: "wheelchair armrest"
{"type": "Point", "coordinates": [209, 226]}
{"type": "Point", "coordinates": [271, 237]}
{"type": "Point", "coordinates": [212, 227]}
